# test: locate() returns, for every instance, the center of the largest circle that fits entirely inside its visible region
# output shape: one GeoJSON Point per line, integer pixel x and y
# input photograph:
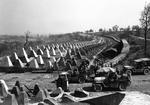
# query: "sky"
{"type": "Point", "coordinates": [63, 16]}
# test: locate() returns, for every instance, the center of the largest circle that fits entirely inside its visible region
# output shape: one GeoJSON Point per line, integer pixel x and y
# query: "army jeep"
{"type": "Point", "coordinates": [141, 65]}
{"type": "Point", "coordinates": [73, 77]}
{"type": "Point", "coordinates": [108, 78]}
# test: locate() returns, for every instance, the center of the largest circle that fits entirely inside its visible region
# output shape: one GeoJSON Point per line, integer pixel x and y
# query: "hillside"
{"type": "Point", "coordinates": [136, 44]}
{"type": "Point", "coordinates": [10, 44]}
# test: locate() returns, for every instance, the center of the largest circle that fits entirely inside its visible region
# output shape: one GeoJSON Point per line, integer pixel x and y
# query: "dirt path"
{"type": "Point", "coordinates": [136, 94]}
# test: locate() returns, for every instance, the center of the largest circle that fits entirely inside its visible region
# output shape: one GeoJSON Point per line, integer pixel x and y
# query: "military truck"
{"type": "Point", "coordinates": [141, 65]}
{"type": "Point", "coordinates": [107, 77]}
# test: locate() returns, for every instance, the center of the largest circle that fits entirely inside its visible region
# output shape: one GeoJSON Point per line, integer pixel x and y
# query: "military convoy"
{"type": "Point", "coordinates": [105, 77]}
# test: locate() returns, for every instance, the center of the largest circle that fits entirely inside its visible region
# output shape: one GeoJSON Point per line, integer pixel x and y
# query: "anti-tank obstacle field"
{"type": "Point", "coordinates": [41, 58]}
{"type": "Point", "coordinates": [45, 80]}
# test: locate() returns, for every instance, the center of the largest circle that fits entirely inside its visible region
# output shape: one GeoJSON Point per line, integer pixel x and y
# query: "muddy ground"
{"type": "Point", "coordinates": [139, 82]}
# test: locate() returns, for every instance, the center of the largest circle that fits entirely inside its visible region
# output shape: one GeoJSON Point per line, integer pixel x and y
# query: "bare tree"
{"type": "Point", "coordinates": [115, 28]}
{"type": "Point", "coordinates": [27, 37]}
{"type": "Point", "coordinates": [100, 30]}
{"type": "Point", "coordinates": [136, 30]}
{"type": "Point", "coordinates": [145, 23]}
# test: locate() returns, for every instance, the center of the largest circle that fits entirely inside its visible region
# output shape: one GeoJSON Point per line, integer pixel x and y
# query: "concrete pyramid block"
{"type": "Point", "coordinates": [15, 90]}
{"type": "Point", "coordinates": [18, 84]}
{"type": "Point", "coordinates": [3, 89]}
{"type": "Point", "coordinates": [68, 55]}
{"type": "Point", "coordinates": [34, 64]}
{"type": "Point", "coordinates": [39, 51]}
{"type": "Point", "coordinates": [9, 62]}
{"type": "Point", "coordinates": [33, 53]}
{"type": "Point", "coordinates": [63, 49]}
{"type": "Point", "coordinates": [10, 100]}
{"type": "Point", "coordinates": [78, 55]}
{"type": "Point", "coordinates": [53, 59]}
{"type": "Point", "coordinates": [40, 60]}
{"type": "Point", "coordinates": [52, 52]}
{"type": "Point", "coordinates": [50, 64]}
{"type": "Point", "coordinates": [19, 63]}
{"type": "Point", "coordinates": [61, 62]}
{"type": "Point", "coordinates": [77, 46]}
{"type": "Point", "coordinates": [55, 65]}
{"type": "Point", "coordinates": [46, 93]}
{"type": "Point", "coordinates": [23, 98]}
{"type": "Point", "coordinates": [57, 45]}
{"type": "Point", "coordinates": [40, 95]}
{"type": "Point", "coordinates": [53, 45]}
{"type": "Point", "coordinates": [25, 55]}
{"type": "Point", "coordinates": [71, 46]}
{"type": "Point", "coordinates": [64, 45]}
{"type": "Point", "coordinates": [46, 53]}
{"type": "Point", "coordinates": [6, 62]}
{"type": "Point", "coordinates": [48, 47]}
{"type": "Point", "coordinates": [58, 52]}
{"type": "Point", "coordinates": [14, 56]}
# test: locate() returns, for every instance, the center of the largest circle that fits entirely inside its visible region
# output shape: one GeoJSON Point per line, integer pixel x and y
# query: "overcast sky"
{"type": "Point", "coordinates": [62, 16]}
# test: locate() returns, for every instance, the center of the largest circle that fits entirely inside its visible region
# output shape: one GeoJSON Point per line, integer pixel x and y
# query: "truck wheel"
{"type": "Point", "coordinates": [146, 71]}
{"type": "Point", "coordinates": [129, 72]}
{"type": "Point", "coordinates": [122, 86]}
{"type": "Point", "coordinates": [98, 87]}
{"type": "Point", "coordinates": [81, 80]}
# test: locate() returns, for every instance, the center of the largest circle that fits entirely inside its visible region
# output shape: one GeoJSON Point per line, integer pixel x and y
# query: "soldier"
{"type": "Point", "coordinates": [112, 76]}
{"type": "Point", "coordinates": [62, 82]}
{"type": "Point", "coordinates": [59, 82]}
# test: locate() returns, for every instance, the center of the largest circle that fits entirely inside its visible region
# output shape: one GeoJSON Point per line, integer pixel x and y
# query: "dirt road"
{"type": "Point", "coordinates": [139, 82]}
{"type": "Point", "coordinates": [134, 94]}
